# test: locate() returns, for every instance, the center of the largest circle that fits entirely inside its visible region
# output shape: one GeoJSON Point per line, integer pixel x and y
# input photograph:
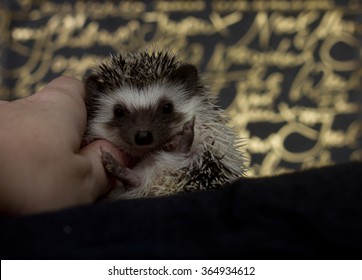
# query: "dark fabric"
{"type": "Point", "coordinates": [310, 214]}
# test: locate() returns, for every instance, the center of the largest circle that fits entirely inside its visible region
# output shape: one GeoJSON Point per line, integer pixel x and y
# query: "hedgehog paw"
{"type": "Point", "coordinates": [123, 174]}
{"type": "Point", "coordinates": [182, 141]}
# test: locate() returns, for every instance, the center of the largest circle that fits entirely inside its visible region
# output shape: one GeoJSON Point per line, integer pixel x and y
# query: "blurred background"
{"type": "Point", "coordinates": [288, 72]}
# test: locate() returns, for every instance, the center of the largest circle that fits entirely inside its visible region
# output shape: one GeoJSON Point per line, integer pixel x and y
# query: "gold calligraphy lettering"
{"type": "Point", "coordinates": [287, 71]}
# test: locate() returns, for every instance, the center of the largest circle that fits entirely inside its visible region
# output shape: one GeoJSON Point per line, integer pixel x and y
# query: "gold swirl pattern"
{"type": "Point", "coordinates": [288, 72]}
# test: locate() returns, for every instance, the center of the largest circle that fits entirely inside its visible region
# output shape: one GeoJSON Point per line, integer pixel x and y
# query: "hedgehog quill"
{"type": "Point", "coordinates": [157, 110]}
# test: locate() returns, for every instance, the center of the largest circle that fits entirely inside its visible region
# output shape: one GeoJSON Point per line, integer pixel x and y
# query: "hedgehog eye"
{"type": "Point", "coordinates": [167, 108]}
{"type": "Point", "coordinates": [118, 112]}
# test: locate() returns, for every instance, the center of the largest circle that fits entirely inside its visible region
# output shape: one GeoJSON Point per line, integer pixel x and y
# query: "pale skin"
{"type": "Point", "coordinates": [42, 167]}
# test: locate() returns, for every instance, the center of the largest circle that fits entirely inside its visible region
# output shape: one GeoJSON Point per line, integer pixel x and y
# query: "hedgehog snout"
{"type": "Point", "coordinates": [143, 137]}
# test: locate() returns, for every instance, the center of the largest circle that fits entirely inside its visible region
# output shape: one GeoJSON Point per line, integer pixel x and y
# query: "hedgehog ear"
{"type": "Point", "coordinates": [92, 89]}
{"type": "Point", "coordinates": [188, 75]}
{"type": "Point", "coordinates": [92, 85]}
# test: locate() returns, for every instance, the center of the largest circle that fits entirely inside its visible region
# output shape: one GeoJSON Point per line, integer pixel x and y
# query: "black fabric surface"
{"type": "Point", "coordinates": [311, 214]}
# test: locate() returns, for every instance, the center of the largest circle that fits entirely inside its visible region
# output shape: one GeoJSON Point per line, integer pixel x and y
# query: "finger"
{"type": "Point", "coordinates": [64, 107]}
{"type": "Point", "coordinates": [67, 84]}
{"type": "Point", "coordinates": [99, 182]}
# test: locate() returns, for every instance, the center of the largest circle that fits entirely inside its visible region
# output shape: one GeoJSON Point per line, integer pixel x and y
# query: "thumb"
{"type": "Point", "coordinates": [100, 183]}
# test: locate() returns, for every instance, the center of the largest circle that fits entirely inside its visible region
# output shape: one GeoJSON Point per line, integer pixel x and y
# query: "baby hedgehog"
{"type": "Point", "coordinates": [157, 110]}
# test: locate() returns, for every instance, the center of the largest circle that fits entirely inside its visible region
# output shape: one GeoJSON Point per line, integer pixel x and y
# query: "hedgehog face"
{"type": "Point", "coordinates": [141, 120]}
{"type": "Point", "coordinates": [139, 101]}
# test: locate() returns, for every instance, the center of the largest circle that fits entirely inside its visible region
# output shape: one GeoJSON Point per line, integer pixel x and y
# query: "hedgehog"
{"type": "Point", "coordinates": [158, 111]}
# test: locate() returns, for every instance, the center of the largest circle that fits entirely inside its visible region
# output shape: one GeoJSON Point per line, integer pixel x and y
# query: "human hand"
{"type": "Point", "coordinates": [42, 167]}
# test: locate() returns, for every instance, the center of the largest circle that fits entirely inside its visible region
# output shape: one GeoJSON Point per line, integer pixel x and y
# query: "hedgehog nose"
{"type": "Point", "coordinates": [143, 137]}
